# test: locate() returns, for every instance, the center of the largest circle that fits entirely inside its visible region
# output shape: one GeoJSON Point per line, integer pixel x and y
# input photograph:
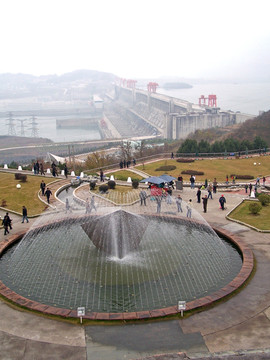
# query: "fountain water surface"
{"type": "Point", "coordinates": [132, 263]}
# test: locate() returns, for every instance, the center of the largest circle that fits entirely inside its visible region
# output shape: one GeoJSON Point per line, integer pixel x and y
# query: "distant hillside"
{"type": "Point", "coordinates": [176, 85]}
{"type": "Point", "coordinates": [7, 141]}
{"type": "Point", "coordinates": [259, 126]}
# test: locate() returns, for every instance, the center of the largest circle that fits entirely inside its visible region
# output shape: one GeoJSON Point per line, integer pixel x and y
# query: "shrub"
{"type": "Point", "coordinates": [92, 185]}
{"type": "Point", "coordinates": [135, 184]}
{"type": "Point", "coordinates": [185, 160]}
{"type": "Point", "coordinates": [255, 207]}
{"type": "Point", "coordinates": [166, 168]}
{"type": "Point", "coordinates": [192, 172]}
{"type": "Point", "coordinates": [103, 188]}
{"type": "Point", "coordinates": [111, 184]}
{"type": "Point", "coordinates": [23, 178]}
{"type": "Point", "coordinates": [4, 203]}
{"type": "Point", "coordinates": [264, 199]}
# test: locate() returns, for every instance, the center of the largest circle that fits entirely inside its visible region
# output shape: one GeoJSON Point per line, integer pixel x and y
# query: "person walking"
{"type": "Point", "coordinates": [158, 200]}
{"type": "Point", "coordinates": [179, 203]}
{"type": "Point", "coordinates": [48, 193]}
{"type": "Point", "coordinates": [192, 182]}
{"type": "Point", "coordinates": [205, 200]}
{"type": "Point", "coordinates": [5, 223]}
{"type": "Point", "coordinates": [24, 214]}
{"type": "Point", "coordinates": [199, 195]}
{"type": "Point", "coordinates": [68, 207]}
{"type": "Point", "coordinates": [143, 197]}
{"type": "Point", "coordinates": [250, 189]}
{"type": "Point", "coordinates": [264, 181]}
{"type": "Point", "coordinates": [222, 201]}
{"type": "Point", "coordinates": [42, 187]}
{"type": "Point", "coordinates": [87, 206]}
{"type": "Point", "coordinates": [209, 189]}
{"type": "Point", "coordinates": [92, 204]}
{"type": "Point", "coordinates": [189, 208]}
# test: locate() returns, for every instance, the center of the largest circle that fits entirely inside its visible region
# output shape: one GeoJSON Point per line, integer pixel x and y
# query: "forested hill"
{"type": "Point", "coordinates": [249, 130]}
{"type": "Point", "coordinates": [259, 126]}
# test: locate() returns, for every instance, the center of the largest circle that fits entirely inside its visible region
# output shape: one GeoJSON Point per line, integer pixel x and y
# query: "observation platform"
{"type": "Point", "coordinates": [237, 327]}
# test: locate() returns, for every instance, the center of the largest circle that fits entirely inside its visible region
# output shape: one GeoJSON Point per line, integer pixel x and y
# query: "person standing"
{"type": "Point", "coordinates": [264, 181]}
{"type": "Point", "coordinates": [192, 182]}
{"type": "Point", "coordinates": [101, 174]}
{"type": "Point", "coordinates": [48, 193]}
{"type": "Point", "coordinates": [24, 214]}
{"type": "Point", "coordinates": [42, 169]}
{"type": "Point", "coordinates": [250, 189]}
{"type": "Point", "coordinates": [5, 224]}
{"type": "Point", "coordinates": [158, 200]}
{"type": "Point", "coordinates": [179, 203]}
{"type": "Point", "coordinates": [215, 186]}
{"type": "Point", "coordinates": [87, 207]}
{"type": "Point", "coordinates": [42, 187]}
{"type": "Point", "coordinates": [199, 195]}
{"type": "Point", "coordinates": [68, 207]}
{"type": "Point", "coordinates": [189, 208]}
{"type": "Point", "coordinates": [143, 197]}
{"type": "Point", "coordinates": [172, 155]}
{"type": "Point", "coordinates": [222, 201]}
{"type": "Point", "coordinates": [65, 171]}
{"type": "Point", "coordinates": [205, 200]}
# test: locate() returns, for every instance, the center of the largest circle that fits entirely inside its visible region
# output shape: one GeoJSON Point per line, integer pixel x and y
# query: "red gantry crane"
{"type": "Point", "coordinates": [212, 100]}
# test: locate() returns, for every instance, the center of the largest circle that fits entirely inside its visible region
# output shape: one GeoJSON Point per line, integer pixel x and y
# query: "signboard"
{"type": "Point", "coordinates": [80, 311]}
{"type": "Point", "coordinates": [181, 305]}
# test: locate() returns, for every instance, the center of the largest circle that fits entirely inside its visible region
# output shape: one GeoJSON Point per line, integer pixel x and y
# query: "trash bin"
{"type": "Point", "coordinates": [179, 185]}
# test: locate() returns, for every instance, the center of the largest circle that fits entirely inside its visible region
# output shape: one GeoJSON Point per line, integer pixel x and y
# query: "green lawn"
{"type": "Point", "coordinates": [260, 221]}
{"type": "Point", "coordinates": [121, 194]}
{"type": "Point", "coordinates": [26, 195]}
{"type": "Point", "coordinates": [216, 168]}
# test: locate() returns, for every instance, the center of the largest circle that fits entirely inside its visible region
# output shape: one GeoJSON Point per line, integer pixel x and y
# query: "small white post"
{"type": "Point", "coordinates": [5, 166]}
{"type": "Point", "coordinates": [72, 173]}
{"type": "Point", "coordinates": [112, 177]}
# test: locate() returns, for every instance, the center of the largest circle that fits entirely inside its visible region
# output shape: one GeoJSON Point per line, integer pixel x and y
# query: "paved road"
{"type": "Point", "coordinates": [239, 326]}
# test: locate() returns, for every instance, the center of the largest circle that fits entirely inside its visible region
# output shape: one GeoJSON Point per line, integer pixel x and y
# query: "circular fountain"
{"type": "Point", "coordinates": [119, 265]}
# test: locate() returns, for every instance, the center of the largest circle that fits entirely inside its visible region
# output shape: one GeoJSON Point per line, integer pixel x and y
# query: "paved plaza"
{"type": "Point", "coordinates": [238, 328]}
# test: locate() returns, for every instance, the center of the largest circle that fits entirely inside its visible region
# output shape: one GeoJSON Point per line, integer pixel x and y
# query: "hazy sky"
{"type": "Point", "coordinates": [135, 39]}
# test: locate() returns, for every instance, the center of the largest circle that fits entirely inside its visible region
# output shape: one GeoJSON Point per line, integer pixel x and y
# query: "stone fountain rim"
{"type": "Point", "coordinates": [204, 302]}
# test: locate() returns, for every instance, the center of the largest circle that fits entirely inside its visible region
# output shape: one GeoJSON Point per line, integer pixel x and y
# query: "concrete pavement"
{"type": "Point", "coordinates": [240, 325]}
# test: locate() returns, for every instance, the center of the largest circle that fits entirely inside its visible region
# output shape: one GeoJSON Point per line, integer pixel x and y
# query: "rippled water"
{"type": "Point", "coordinates": [58, 265]}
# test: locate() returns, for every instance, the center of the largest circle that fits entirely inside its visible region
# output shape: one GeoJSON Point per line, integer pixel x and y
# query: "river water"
{"type": "Point", "coordinates": [249, 98]}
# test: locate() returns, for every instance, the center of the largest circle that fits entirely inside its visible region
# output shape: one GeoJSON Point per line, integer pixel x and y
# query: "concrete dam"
{"type": "Point", "coordinates": [141, 113]}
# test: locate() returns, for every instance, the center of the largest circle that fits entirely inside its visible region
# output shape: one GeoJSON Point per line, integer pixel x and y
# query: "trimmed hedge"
{"type": "Point", "coordinates": [92, 185]}
{"type": "Point", "coordinates": [111, 184]}
{"type": "Point", "coordinates": [166, 168]}
{"type": "Point", "coordinates": [21, 177]}
{"type": "Point", "coordinates": [242, 177]}
{"type": "Point", "coordinates": [185, 160]}
{"type": "Point", "coordinates": [135, 184]}
{"type": "Point", "coordinates": [192, 172]}
{"type": "Point", "coordinates": [103, 188]}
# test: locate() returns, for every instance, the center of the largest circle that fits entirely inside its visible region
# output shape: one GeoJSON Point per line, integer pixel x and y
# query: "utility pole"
{"type": "Point", "coordinates": [11, 126]}
{"type": "Point", "coordinates": [22, 126]}
{"type": "Point", "coordinates": [34, 127]}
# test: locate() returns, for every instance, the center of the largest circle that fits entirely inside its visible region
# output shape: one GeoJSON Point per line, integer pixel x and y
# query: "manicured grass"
{"type": "Point", "coordinates": [216, 168]}
{"type": "Point", "coordinates": [27, 195]}
{"type": "Point", "coordinates": [124, 174]}
{"type": "Point", "coordinates": [260, 221]}
{"type": "Point", "coordinates": [121, 194]}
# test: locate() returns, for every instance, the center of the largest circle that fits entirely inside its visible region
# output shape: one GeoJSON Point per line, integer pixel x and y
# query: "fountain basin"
{"type": "Point", "coordinates": [68, 286]}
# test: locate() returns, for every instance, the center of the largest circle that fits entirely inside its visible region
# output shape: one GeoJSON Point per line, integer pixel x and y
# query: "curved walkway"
{"type": "Point", "coordinates": [239, 325]}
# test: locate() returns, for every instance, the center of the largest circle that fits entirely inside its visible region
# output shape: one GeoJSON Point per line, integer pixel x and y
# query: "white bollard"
{"type": "Point", "coordinates": [62, 172]}
{"type": "Point", "coordinates": [5, 166]}
{"type": "Point", "coordinates": [48, 171]}
{"type": "Point", "coordinates": [72, 173]}
{"type": "Point", "coordinates": [82, 175]}
{"type": "Point", "coordinates": [32, 170]}
{"type": "Point", "coordinates": [129, 179]}
{"type": "Point", "coordinates": [112, 177]}
{"type": "Point", "coordinates": [19, 168]}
